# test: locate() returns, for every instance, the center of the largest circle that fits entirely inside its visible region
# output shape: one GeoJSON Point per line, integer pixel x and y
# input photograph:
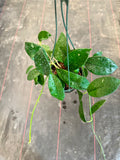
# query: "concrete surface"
{"type": "Point", "coordinates": [76, 139]}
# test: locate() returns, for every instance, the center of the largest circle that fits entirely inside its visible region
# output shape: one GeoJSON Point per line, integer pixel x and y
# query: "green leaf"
{"type": "Point", "coordinates": [43, 35]}
{"type": "Point", "coordinates": [76, 81]}
{"type": "Point", "coordinates": [84, 72]}
{"type": "Point", "coordinates": [97, 105]}
{"type": "Point", "coordinates": [100, 65]}
{"type": "Point", "coordinates": [36, 80]}
{"type": "Point", "coordinates": [77, 58]}
{"type": "Point", "coordinates": [60, 52]}
{"type": "Point", "coordinates": [55, 87]}
{"type": "Point", "coordinates": [81, 111]}
{"type": "Point", "coordinates": [33, 74]}
{"type": "Point", "coordinates": [41, 79]}
{"type": "Point", "coordinates": [46, 47]}
{"type": "Point", "coordinates": [49, 53]}
{"type": "Point", "coordinates": [63, 83]}
{"type": "Point", "coordinates": [103, 86]}
{"type": "Point", "coordinates": [31, 49]}
{"type": "Point", "coordinates": [97, 54]}
{"type": "Point", "coordinates": [29, 68]}
{"type": "Point", "coordinates": [42, 62]}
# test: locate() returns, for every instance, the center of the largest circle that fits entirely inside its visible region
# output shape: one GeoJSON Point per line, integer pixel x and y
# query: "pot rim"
{"type": "Point", "coordinates": [69, 90]}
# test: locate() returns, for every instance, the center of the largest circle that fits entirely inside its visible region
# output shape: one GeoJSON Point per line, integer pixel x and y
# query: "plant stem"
{"type": "Point", "coordinates": [98, 140]}
{"type": "Point", "coordinates": [52, 63]}
{"type": "Point", "coordinates": [56, 62]}
{"type": "Point", "coordinates": [34, 111]}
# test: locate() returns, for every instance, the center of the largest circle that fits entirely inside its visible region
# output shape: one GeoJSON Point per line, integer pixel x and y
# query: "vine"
{"type": "Point", "coordinates": [37, 101]}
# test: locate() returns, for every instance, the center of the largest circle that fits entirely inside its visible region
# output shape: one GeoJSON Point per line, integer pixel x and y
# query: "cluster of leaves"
{"type": "Point", "coordinates": [78, 58]}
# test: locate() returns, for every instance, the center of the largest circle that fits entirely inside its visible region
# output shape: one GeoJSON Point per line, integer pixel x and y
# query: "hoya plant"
{"type": "Point", "coordinates": [67, 69]}
{"type": "Point", "coordinates": [63, 78]}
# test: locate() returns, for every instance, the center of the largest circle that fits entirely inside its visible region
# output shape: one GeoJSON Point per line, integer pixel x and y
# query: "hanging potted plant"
{"type": "Point", "coordinates": [56, 71]}
{"type": "Point", "coordinates": [67, 70]}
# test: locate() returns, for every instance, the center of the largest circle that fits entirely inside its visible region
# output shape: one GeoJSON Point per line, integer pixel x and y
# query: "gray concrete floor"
{"type": "Point", "coordinates": [76, 139]}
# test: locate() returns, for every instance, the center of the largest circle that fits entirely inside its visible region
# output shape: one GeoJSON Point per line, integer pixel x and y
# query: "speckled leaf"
{"type": "Point", "coordinates": [76, 81]}
{"type": "Point", "coordinates": [97, 54]}
{"type": "Point", "coordinates": [31, 49]}
{"type": "Point", "coordinates": [100, 65]}
{"type": "Point", "coordinates": [43, 35]}
{"type": "Point", "coordinates": [77, 58]}
{"type": "Point", "coordinates": [103, 86]}
{"type": "Point", "coordinates": [60, 52]}
{"type": "Point", "coordinates": [33, 74]}
{"type": "Point", "coordinates": [81, 111]}
{"type": "Point", "coordinates": [29, 68]}
{"type": "Point", "coordinates": [55, 87]}
{"type": "Point", "coordinates": [42, 62]}
{"type": "Point", "coordinates": [97, 105]}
